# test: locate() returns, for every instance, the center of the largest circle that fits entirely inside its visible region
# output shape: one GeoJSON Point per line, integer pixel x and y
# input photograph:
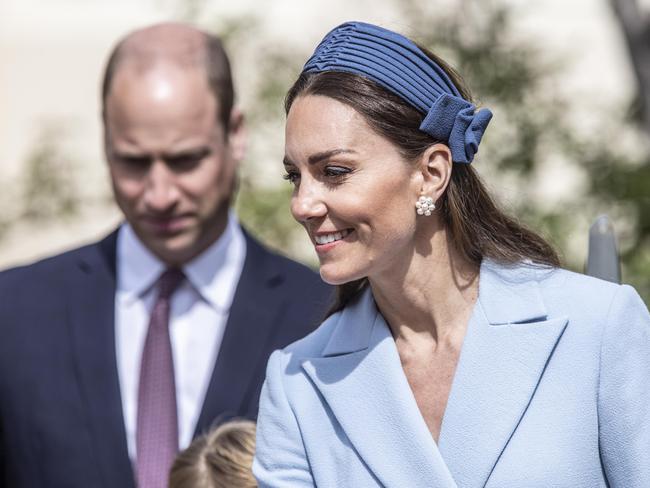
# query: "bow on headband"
{"type": "Point", "coordinates": [397, 64]}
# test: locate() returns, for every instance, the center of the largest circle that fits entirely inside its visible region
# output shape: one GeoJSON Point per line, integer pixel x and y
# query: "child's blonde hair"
{"type": "Point", "coordinates": [222, 458]}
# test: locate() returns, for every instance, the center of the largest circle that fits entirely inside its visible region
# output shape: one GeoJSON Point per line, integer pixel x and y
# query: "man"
{"type": "Point", "coordinates": [116, 354]}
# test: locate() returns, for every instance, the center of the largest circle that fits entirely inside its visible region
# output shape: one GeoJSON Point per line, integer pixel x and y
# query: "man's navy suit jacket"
{"type": "Point", "coordinates": [61, 421]}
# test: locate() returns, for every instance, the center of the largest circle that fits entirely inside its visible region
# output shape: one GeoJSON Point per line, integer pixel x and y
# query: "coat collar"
{"type": "Point", "coordinates": [91, 306]}
{"type": "Point", "coordinates": [346, 339]}
{"type": "Point", "coordinates": [509, 341]}
{"type": "Point", "coordinates": [511, 294]}
{"type": "Point", "coordinates": [248, 332]}
{"type": "Point", "coordinates": [506, 294]}
{"type": "Point", "coordinates": [371, 399]}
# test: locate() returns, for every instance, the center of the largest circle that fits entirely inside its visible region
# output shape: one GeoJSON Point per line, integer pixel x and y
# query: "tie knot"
{"type": "Point", "coordinates": [169, 280]}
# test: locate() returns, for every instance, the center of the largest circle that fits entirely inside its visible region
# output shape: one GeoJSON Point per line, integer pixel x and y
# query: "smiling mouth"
{"type": "Point", "coordinates": [331, 237]}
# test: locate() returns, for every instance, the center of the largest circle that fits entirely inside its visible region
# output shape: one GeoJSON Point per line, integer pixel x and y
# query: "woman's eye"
{"type": "Point", "coordinates": [336, 171]}
{"type": "Point", "coordinates": [291, 176]}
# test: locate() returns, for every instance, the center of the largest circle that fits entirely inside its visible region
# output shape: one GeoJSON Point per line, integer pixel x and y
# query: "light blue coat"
{"type": "Point", "coordinates": [552, 389]}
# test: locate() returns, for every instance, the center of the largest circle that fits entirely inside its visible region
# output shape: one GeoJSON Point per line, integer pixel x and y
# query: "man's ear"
{"type": "Point", "coordinates": [237, 137]}
{"type": "Point", "coordinates": [435, 166]}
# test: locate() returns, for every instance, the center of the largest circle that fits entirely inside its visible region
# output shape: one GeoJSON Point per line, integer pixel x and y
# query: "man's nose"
{"type": "Point", "coordinates": [161, 192]}
{"type": "Point", "coordinates": [308, 202]}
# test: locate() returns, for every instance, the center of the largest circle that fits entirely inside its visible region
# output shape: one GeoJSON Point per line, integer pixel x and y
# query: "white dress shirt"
{"type": "Point", "coordinates": [199, 311]}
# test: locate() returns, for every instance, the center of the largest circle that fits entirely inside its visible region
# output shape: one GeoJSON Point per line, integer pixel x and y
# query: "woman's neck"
{"type": "Point", "coordinates": [429, 299]}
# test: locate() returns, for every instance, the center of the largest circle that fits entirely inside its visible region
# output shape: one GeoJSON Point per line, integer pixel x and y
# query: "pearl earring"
{"type": "Point", "coordinates": [425, 206]}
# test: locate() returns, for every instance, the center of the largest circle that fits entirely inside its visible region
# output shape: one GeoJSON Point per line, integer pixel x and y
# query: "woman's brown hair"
{"type": "Point", "coordinates": [222, 458]}
{"type": "Point", "coordinates": [477, 227]}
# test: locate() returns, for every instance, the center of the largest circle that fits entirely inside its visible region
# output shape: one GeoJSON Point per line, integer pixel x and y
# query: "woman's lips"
{"type": "Point", "coordinates": [323, 242]}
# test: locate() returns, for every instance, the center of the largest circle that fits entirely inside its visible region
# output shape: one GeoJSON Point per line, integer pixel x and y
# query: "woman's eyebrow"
{"type": "Point", "coordinates": [318, 157]}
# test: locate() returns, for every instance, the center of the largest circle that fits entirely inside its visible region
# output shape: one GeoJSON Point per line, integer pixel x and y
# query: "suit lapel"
{"type": "Point", "coordinates": [508, 344]}
{"type": "Point", "coordinates": [362, 381]}
{"type": "Point", "coordinates": [256, 306]}
{"type": "Point", "coordinates": [91, 308]}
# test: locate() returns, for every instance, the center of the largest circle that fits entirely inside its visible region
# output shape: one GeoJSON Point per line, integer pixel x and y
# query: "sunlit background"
{"type": "Point", "coordinates": [569, 140]}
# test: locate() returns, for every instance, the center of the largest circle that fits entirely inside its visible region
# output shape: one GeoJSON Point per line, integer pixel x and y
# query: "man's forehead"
{"type": "Point", "coordinates": [165, 53]}
{"type": "Point", "coordinates": [164, 43]}
{"type": "Point", "coordinates": [159, 100]}
{"type": "Point", "coordinates": [161, 73]}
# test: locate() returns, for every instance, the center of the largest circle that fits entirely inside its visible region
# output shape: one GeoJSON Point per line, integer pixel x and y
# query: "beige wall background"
{"type": "Point", "coordinates": [52, 54]}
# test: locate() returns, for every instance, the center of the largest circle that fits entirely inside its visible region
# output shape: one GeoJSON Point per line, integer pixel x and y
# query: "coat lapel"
{"type": "Point", "coordinates": [362, 381]}
{"type": "Point", "coordinates": [508, 344]}
{"type": "Point", "coordinates": [256, 305]}
{"type": "Point", "coordinates": [91, 308]}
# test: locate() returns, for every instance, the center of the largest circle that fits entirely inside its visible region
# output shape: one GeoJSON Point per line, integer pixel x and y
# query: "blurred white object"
{"type": "Point", "coordinates": [602, 261]}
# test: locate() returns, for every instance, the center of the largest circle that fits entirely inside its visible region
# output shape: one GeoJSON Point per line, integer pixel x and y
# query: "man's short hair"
{"type": "Point", "coordinates": [217, 68]}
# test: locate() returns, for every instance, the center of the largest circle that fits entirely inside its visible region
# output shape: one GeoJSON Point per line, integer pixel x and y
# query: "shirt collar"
{"type": "Point", "coordinates": [214, 273]}
{"type": "Point", "coordinates": [137, 267]}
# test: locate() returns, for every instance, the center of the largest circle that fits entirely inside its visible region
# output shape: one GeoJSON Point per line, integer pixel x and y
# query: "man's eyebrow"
{"type": "Point", "coordinates": [318, 157]}
{"type": "Point", "coordinates": [201, 151]}
{"type": "Point", "coordinates": [131, 155]}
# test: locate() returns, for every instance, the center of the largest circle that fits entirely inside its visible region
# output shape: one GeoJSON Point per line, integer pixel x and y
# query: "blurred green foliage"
{"type": "Point", "coordinates": [263, 206]}
{"type": "Point", "coordinates": [49, 188]}
{"type": "Point", "coordinates": [625, 183]}
{"type": "Point", "coordinates": [515, 78]}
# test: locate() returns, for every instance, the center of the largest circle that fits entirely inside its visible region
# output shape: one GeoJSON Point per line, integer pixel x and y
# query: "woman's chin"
{"type": "Point", "coordinates": [333, 276]}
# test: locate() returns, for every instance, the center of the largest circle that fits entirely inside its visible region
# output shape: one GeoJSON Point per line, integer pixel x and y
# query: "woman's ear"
{"type": "Point", "coordinates": [435, 166]}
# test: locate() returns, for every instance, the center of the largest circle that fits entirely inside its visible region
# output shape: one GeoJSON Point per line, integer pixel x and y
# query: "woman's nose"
{"type": "Point", "coordinates": [307, 202]}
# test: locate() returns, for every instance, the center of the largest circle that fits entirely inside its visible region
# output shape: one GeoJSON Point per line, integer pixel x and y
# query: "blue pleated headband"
{"type": "Point", "coordinates": [397, 64]}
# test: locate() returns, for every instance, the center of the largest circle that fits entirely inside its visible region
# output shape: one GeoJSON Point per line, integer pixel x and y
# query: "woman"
{"type": "Point", "coordinates": [459, 353]}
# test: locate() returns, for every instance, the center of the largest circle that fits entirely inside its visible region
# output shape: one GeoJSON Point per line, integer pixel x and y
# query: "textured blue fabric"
{"type": "Point", "coordinates": [397, 64]}
{"type": "Point", "coordinates": [551, 389]}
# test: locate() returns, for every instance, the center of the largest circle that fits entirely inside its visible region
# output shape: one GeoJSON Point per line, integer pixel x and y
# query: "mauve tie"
{"type": "Point", "coordinates": [157, 425]}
